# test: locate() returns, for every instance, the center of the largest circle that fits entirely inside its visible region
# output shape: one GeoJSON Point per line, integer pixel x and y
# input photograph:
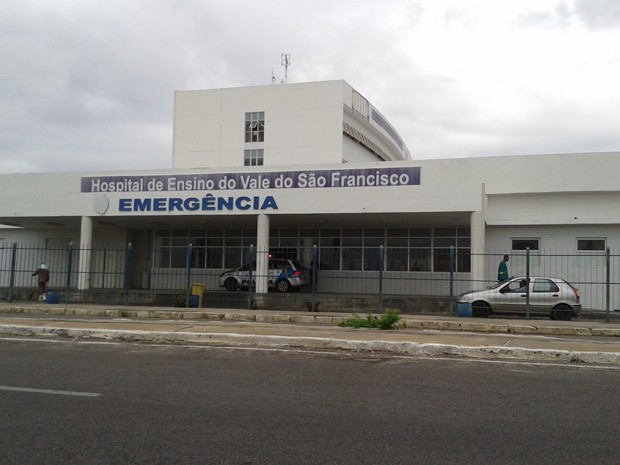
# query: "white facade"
{"type": "Point", "coordinates": [491, 205]}
{"type": "Point", "coordinates": [308, 124]}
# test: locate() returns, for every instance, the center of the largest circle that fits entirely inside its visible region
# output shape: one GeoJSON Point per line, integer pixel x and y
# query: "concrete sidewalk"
{"type": "Point", "coordinates": [581, 341]}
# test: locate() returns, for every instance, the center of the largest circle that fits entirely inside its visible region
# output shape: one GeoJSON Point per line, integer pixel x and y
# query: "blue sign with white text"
{"type": "Point", "coordinates": [344, 178]}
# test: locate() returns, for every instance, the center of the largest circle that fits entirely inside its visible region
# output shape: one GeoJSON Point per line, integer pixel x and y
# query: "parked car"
{"type": "Point", "coordinates": [547, 296]}
{"type": "Point", "coordinates": [284, 275]}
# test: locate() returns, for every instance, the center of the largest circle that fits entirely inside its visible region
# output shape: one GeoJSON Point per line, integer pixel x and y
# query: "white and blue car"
{"type": "Point", "coordinates": [284, 275]}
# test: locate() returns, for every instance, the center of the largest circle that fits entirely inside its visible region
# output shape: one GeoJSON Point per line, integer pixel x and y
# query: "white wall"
{"type": "Point", "coordinates": [40, 195]}
{"type": "Point", "coordinates": [576, 172]}
{"type": "Point", "coordinates": [558, 257]}
{"type": "Point", "coordinates": [303, 124]}
{"type": "Point", "coordinates": [197, 129]}
{"type": "Point", "coordinates": [557, 208]}
{"type": "Point", "coordinates": [355, 153]}
{"type": "Point", "coordinates": [36, 238]}
{"type": "Point", "coordinates": [587, 193]}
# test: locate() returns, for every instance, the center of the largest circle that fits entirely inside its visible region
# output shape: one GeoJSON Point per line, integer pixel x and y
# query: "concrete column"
{"type": "Point", "coordinates": [478, 238]}
{"type": "Point", "coordinates": [86, 240]}
{"type": "Point", "coordinates": [307, 252]}
{"type": "Point", "coordinates": [262, 253]}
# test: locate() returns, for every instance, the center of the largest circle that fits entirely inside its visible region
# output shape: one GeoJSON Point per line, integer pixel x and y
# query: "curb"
{"type": "Point", "coordinates": [461, 324]}
{"type": "Point", "coordinates": [316, 343]}
{"type": "Point", "coordinates": [510, 328]}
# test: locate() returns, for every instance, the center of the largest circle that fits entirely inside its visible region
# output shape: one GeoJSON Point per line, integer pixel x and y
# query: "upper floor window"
{"type": "Point", "coordinates": [253, 157]}
{"type": "Point", "coordinates": [255, 126]}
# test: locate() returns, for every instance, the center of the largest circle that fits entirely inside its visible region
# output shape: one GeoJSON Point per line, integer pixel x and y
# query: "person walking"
{"type": "Point", "coordinates": [502, 270]}
{"type": "Point", "coordinates": [43, 277]}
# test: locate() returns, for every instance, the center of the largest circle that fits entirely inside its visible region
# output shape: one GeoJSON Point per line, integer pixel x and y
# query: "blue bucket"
{"type": "Point", "coordinates": [465, 309]}
{"type": "Point", "coordinates": [52, 298]}
{"type": "Point", "coordinates": [194, 301]}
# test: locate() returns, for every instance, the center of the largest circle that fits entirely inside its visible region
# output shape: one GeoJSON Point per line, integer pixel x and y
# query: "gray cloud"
{"type": "Point", "coordinates": [558, 16]}
{"type": "Point", "coordinates": [598, 14]}
{"type": "Point", "coordinates": [89, 85]}
{"type": "Point", "coordinates": [593, 14]}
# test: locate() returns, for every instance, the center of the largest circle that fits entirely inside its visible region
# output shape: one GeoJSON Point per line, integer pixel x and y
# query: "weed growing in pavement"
{"type": "Point", "coordinates": [312, 308]}
{"type": "Point", "coordinates": [389, 320]}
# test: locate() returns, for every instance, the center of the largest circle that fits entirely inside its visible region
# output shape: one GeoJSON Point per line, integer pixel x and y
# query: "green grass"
{"type": "Point", "coordinates": [389, 320]}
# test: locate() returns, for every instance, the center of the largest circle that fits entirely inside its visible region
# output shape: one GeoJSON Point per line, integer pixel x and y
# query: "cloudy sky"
{"type": "Point", "coordinates": [89, 85]}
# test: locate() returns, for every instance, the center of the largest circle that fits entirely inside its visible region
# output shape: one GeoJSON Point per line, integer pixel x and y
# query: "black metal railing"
{"type": "Point", "coordinates": [377, 276]}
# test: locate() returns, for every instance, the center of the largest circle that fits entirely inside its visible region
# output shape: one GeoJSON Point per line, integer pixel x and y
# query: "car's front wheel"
{"type": "Point", "coordinates": [231, 284]}
{"type": "Point", "coordinates": [480, 310]}
{"type": "Point", "coordinates": [562, 313]}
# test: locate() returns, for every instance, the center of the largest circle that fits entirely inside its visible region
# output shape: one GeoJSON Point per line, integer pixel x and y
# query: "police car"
{"type": "Point", "coordinates": [284, 275]}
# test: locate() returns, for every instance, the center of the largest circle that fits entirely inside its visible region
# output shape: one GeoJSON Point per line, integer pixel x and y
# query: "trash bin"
{"type": "Point", "coordinates": [465, 309]}
{"type": "Point", "coordinates": [194, 301]}
{"type": "Point", "coordinates": [197, 290]}
{"type": "Point", "coordinates": [52, 298]}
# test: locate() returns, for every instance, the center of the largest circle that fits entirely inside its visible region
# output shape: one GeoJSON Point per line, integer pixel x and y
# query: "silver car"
{"type": "Point", "coordinates": [284, 275]}
{"type": "Point", "coordinates": [547, 296]}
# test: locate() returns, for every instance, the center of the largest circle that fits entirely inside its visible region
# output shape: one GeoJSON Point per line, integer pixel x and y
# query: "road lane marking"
{"type": "Point", "coordinates": [49, 391]}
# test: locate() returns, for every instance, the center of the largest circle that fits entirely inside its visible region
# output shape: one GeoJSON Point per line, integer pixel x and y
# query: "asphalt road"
{"type": "Point", "coordinates": [102, 403]}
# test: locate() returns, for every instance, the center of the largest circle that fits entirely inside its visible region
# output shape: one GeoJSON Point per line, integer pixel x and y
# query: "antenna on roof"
{"type": "Point", "coordinates": [285, 60]}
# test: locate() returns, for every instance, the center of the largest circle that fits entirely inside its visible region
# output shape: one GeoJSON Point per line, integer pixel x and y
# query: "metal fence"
{"type": "Point", "coordinates": [377, 276]}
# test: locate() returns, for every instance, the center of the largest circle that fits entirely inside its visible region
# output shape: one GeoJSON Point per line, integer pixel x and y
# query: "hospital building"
{"type": "Point", "coordinates": [315, 171]}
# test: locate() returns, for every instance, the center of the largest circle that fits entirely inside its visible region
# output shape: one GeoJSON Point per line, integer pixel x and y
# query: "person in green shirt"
{"type": "Point", "coordinates": [502, 271]}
